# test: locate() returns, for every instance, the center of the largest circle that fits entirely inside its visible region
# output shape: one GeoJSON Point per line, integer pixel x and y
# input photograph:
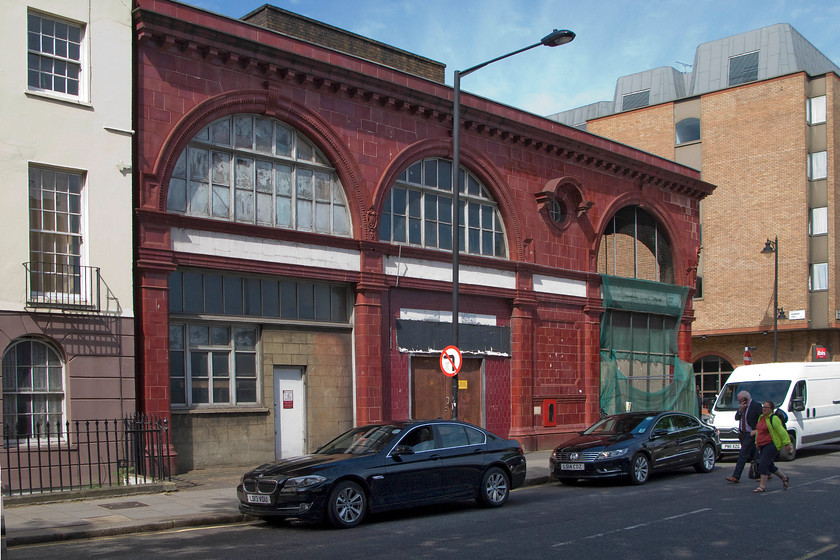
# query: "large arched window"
{"type": "Point", "coordinates": [33, 389]}
{"type": "Point", "coordinates": [710, 373]}
{"type": "Point", "coordinates": [418, 211]}
{"type": "Point", "coordinates": [256, 170]}
{"type": "Point", "coordinates": [635, 246]}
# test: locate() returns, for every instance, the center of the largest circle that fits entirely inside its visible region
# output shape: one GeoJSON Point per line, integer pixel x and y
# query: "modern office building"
{"type": "Point", "coordinates": [757, 114]}
{"type": "Point", "coordinates": [66, 289]}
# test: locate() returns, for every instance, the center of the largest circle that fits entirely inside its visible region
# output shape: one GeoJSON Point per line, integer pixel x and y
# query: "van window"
{"type": "Point", "coordinates": [760, 391]}
{"type": "Point", "coordinates": [800, 390]}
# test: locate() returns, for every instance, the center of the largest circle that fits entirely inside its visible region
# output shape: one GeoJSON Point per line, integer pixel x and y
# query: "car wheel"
{"type": "Point", "coordinates": [495, 488]}
{"type": "Point", "coordinates": [639, 469]}
{"type": "Point", "coordinates": [784, 455]}
{"type": "Point", "coordinates": [707, 460]}
{"type": "Point", "coordinates": [347, 505]}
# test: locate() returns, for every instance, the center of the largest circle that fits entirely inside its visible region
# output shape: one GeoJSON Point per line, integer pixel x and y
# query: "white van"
{"type": "Point", "coordinates": [808, 391]}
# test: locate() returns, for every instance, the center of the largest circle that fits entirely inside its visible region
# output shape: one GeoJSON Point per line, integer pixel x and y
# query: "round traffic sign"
{"type": "Point", "coordinates": [450, 361]}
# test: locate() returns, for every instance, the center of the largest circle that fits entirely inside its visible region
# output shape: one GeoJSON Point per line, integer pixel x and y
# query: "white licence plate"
{"type": "Point", "coordinates": [259, 499]}
{"type": "Point", "coordinates": [730, 446]}
{"type": "Point", "coordinates": [571, 466]}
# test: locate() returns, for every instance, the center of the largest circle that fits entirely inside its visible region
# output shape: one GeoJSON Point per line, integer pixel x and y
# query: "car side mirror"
{"type": "Point", "coordinates": [402, 450]}
{"type": "Point", "coordinates": [660, 432]}
{"type": "Point", "coordinates": [798, 404]}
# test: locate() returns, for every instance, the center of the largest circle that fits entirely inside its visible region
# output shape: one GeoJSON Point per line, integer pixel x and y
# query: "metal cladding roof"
{"type": "Point", "coordinates": [781, 51]}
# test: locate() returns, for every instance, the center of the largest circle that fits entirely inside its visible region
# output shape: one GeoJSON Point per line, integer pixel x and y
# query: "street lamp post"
{"type": "Point", "coordinates": [553, 39]}
{"type": "Point", "coordinates": [773, 247]}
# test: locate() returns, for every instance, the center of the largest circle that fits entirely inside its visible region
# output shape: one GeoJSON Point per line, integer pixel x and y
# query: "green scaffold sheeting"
{"type": "Point", "coordinates": [659, 379]}
{"type": "Point", "coordinates": [630, 294]}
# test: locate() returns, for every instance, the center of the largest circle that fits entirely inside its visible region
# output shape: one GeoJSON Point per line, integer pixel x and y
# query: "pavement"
{"type": "Point", "coordinates": [195, 498]}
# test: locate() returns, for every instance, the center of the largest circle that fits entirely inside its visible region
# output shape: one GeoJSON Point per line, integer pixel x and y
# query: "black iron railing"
{"type": "Point", "coordinates": [62, 286]}
{"type": "Point", "coordinates": [86, 454]}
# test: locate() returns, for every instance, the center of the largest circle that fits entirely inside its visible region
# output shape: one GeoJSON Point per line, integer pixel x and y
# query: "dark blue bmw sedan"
{"type": "Point", "coordinates": [386, 466]}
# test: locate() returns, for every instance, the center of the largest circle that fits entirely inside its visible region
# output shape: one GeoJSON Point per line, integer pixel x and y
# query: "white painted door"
{"type": "Point", "coordinates": [289, 412]}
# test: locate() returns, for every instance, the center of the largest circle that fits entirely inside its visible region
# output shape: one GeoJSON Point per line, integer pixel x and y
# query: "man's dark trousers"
{"type": "Point", "coordinates": [746, 453]}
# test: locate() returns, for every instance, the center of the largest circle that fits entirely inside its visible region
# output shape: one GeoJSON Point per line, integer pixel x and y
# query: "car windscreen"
{"type": "Point", "coordinates": [760, 391]}
{"type": "Point", "coordinates": [361, 440]}
{"type": "Point", "coordinates": [621, 425]}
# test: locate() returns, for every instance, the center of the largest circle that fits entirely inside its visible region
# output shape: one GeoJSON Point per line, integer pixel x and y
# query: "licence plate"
{"type": "Point", "coordinates": [571, 466]}
{"type": "Point", "coordinates": [730, 446]}
{"type": "Point", "coordinates": [259, 499]}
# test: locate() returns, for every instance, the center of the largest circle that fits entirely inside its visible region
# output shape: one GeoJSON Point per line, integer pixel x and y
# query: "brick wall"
{"type": "Point", "coordinates": [295, 25]}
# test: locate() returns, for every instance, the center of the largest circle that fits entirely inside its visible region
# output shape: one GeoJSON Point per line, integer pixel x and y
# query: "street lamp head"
{"type": "Point", "coordinates": [558, 37]}
{"type": "Point", "coordinates": [769, 247]}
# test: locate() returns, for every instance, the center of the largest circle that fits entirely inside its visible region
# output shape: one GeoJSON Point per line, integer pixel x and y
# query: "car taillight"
{"type": "Point", "coordinates": [521, 452]}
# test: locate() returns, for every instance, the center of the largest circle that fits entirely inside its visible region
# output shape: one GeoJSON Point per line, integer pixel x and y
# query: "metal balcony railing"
{"type": "Point", "coordinates": [62, 286]}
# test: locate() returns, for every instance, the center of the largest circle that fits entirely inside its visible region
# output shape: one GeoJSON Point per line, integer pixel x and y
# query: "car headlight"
{"type": "Point", "coordinates": [612, 454]}
{"type": "Point", "coordinates": [302, 482]}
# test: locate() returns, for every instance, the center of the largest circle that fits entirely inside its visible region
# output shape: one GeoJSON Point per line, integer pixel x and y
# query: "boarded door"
{"type": "Point", "coordinates": [431, 391]}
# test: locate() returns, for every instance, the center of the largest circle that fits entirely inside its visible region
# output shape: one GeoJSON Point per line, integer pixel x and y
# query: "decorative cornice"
{"type": "Point", "coordinates": [277, 65]}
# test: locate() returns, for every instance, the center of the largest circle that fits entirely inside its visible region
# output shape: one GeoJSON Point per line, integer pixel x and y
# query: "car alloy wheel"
{"type": "Point", "coordinates": [495, 487]}
{"type": "Point", "coordinates": [639, 469]}
{"type": "Point", "coordinates": [707, 459]}
{"type": "Point", "coordinates": [347, 505]}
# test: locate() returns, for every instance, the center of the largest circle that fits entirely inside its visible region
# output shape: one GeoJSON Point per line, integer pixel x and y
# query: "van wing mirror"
{"type": "Point", "coordinates": [797, 404]}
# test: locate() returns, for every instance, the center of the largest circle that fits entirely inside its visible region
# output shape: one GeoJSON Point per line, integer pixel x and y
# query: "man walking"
{"type": "Point", "coordinates": [747, 417]}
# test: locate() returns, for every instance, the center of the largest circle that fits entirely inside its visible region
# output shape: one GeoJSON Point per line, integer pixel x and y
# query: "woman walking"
{"type": "Point", "coordinates": [770, 436]}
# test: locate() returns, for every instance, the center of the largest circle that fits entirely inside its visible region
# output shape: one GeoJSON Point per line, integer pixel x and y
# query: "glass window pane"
{"type": "Point", "coordinates": [233, 295]}
{"type": "Point", "coordinates": [282, 140]}
{"type": "Point", "coordinates": [219, 336]}
{"type": "Point", "coordinates": [253, 304]}
{"type": "Point", "coordinates": [322, 217]}
{"type": "Point", "coordinates": [270, 298]}
{"type": "Point", "coordinates": [213, 294]}
{"type": "Point", "coordinates": [263, 135]}
{"type": "Point", "coordinates": [220, 132]}
{"type": "Point", "coordinates": [243, 131]}
{"type": "Point", "coordinates": [819, 221]}
{"type": "Point", "coordinates": [245, 338]}
{"type": "Point", "coordinates": [322, 302]}
{"type": "Point", "coordinates": [193, 293]}
{"type": "Point", "coordinates": [338, 304]}
{"type": "Point", "coordinates": [221, 202]}
{"type": "Point", "coordinates": [175, 292]}
{"type": "Point", "coordinates": [288, 300]}
{"type": "Point", "coordinates": [246, 364]}
{"type": "Point", "coordinates": [246, 390]}
{"type": "Point", "coordinates": [306, 301]}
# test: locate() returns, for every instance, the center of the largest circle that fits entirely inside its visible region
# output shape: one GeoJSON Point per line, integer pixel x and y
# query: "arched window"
{"type": "Point", "coordinates": [635, 246]}
{"type": "Point", "coordinates": [710, 373]}
{"type": "Point", "coordinates": [33, 388]}
{"type": "Point", "coordinates": [418, 211]}
{"type": "Point", "coordinates": [256, 170]}
{"type": "Point", "coordinates": [688, 130]}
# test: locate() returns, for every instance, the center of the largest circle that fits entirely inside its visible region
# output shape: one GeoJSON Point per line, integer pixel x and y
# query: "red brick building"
{"type": "Point", "coordinates": [294, 240]}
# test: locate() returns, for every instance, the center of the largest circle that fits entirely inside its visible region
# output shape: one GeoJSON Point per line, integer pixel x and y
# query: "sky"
{"type": "Point", "coordinates": [614, 37]}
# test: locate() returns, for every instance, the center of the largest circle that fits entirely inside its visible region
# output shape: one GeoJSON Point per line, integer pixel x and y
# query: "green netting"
{"type": "Point", "coordinates": [617, 390]}
{"type": "Point", "coordinates": [640, 367]}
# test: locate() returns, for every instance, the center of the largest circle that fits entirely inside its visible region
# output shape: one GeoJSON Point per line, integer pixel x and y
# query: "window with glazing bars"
{"type": "Point", "coordinates": [418, 211]}
{"type": "Point", "coordinates": [256, 170]}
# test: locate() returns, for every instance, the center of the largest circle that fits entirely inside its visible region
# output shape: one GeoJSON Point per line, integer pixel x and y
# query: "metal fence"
{"type": "Point", "coordinates": [86, 454]}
